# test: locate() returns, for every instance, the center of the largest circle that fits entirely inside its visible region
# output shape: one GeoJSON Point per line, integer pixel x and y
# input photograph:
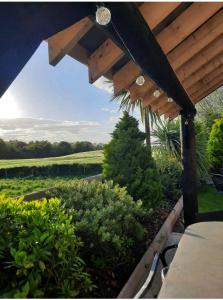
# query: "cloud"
{"type": "Point", "coordinates": [27, 129]}
{"type": "Point", "coordinates": [112, 111]}
{"type": "Point", "coordinates": [104, 84]}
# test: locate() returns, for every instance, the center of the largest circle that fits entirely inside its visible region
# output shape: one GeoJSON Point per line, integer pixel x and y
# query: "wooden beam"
{"type": "Point", "coordinates": [170, 31]}
{"type": "Point", "coordinates": [153, 13]}
{"type": "Point", "coordinates": [61, 43]}
{"type": "Point", "coordinates": [137, 91]}
{"type": "Point", "coordinates": [188, 153]}
{"type": "Point", "coordinates": [148, 54]}
{"type": "Point", "coordinates": [103, 59]}
{"type": "Point", "coordinates": [80, 54]}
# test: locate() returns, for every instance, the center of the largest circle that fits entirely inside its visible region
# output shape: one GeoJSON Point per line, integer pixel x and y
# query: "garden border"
{"type": "Point", "coordinates": [141, 271]}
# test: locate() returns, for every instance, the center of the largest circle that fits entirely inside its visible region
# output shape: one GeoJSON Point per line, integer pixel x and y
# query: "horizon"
{"type": "Point", "coordinates": [57, 103]}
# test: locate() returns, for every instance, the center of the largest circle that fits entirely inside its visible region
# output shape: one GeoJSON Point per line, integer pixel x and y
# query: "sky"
{"type": "Point", "coordinates": [56, 103]}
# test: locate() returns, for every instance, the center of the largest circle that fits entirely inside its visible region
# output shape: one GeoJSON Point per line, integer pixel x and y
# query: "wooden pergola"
{"type": "Point", "coordinates": [176, 46]}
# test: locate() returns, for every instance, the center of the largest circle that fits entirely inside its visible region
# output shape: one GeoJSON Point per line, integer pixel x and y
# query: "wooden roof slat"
{"type": "Point", "coordinates": [204, 70]}
{"type": "Point", "coordinates": [62, 42]}
{"type": "Point", "coordinates": [103, 59]}
{"type": "Point", "coordinates": [169, 39]}
{"type": "Point", "coordinates": [198, 40]}
{"type": "Point", "coordinates": [100, 62]}
{"type": "Point", "coordinates": [193, 17]}
{"type": "Point", "coordinates": [204, 90]}
{"type": "Point", "coordinates": [207, 57]}
{"type": "Point", "coordinates": [214, 66]}
{"type": "Point", "coordinates": [200, 59]}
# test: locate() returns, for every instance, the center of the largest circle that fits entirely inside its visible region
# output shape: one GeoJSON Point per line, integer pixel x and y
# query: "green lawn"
{"type": "Point", "coordinates": [82, 158]}
{"type": "Point", "coordinates": [22, 186]}
{"type": "Point", "coordinates": [209, 199]}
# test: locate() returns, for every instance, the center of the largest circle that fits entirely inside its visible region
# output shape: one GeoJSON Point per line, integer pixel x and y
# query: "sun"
{"type": "Point", "coordinates": [8, 107]}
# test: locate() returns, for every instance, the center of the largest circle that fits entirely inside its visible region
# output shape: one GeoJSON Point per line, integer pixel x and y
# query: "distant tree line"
{"type": "Point", "coordinates": [39, 149]}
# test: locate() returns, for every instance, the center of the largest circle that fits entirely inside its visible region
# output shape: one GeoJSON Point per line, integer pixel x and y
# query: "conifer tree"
{"type": "Point", "coordinates": [128, 163]}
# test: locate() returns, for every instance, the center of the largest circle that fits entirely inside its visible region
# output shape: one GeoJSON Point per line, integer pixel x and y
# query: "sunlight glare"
{"type": "Point", "coordinates": [8, 107]}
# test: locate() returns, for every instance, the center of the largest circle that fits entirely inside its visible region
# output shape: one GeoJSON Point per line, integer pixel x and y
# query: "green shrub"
{"type": "Point", "coordinates": [215, 145]}
{"type": "Point", "coordinates": [39, 251]}
{"type": "Point", "coordinates": [74, 169]}
{"type": "Point", "coordinates": [128, 163]}
{"type": "Point", "coordinates": [170, 171]}
{"type": "Point", "coordinates": [107, 220]}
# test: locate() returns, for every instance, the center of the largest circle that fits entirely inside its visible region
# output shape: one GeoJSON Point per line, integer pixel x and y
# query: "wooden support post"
{"type": "Point", "coordinates": [188, 152]}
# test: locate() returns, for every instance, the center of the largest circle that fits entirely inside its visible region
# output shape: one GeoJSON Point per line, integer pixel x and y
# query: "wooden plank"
{"type": "Point", "coordinates": [170, 32]}
{"type": "Point", "coordinates": [205, 81]}
{"type": "Point", "coordinates": [186, 23]}
{"type": "Point", "coordinates": [200, 59]}
{"type": "Point", "coordinates": [212, 68]}
{"type": "Point", "coordinates": [100, 62]}
{"type": "Point", "coordinates": [103, 59]}
{"type": "Point", "coordinates": [62, 42]}
{"type": "Point", "coordinates": [198, 40]}
{"type": "Point", "coordinates": [215, 63]}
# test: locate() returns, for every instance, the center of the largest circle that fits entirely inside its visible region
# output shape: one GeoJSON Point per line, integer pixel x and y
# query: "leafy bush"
{"type": "Point", "coordinates": [128, 163]}
{"type": "Point", "coordinates": [108, 222]}
{"type": "Point", "coordinates": [39, 251]}
{"type": "Point", "coordinates": [215, 145]}
{"type": "Point", "coordinates": [170, 171]}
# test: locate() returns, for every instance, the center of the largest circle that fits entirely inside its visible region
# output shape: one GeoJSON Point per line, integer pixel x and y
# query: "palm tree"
{"type": "Point", "coordinates": [148, 117]}
{"type": "Point", "coordinates": [167, 140]}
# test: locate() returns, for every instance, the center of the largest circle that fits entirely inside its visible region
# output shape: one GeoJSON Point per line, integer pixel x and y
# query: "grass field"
{"type": "Point", "coordinates": [83, 157]}
{"type": "Point", "coordinates": [22, 186]}
{"type": "Point", "coordinates": [209, 199]}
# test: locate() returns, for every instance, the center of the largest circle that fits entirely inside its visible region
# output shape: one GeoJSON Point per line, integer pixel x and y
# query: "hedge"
{"type": "Point", "coordinates": [52, 170]}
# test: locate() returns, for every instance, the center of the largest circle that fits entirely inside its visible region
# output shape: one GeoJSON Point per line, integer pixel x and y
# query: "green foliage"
{"type": "Point", "coordinates": [210, 109]}
{"type": "Point", "coordinates": [167, 141]}
{"type": "Point", "coordinates": [39, 251]}
{"type": "Point", "coordinates": [36, 149]}
{"type": "Point", "coordinates": [108, 222]}
{"type": "Point", "coordinates": [215, 145]}
{"type": "Point", "coordinates": [170, 171]}
{"type": "Point", "coordinates": [128, 163]}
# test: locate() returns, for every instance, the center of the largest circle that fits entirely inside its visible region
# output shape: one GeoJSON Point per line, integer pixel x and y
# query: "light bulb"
{"type": "Point", "coordinates": [103, 16]}
{"type": "Point", "coordinates": [186, 122]}
{"type": "Point", "coordinates": [156, 93]}
{"type": "Point", "coordinates": [169, 99]}
{"type": "Point", "coordinates": [140, 80]}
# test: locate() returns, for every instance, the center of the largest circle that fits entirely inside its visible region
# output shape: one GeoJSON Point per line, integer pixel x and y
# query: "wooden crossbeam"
{"type": "Point", "coordinates": [109, 53]}
{"type": "Point", "coordinates": [61, 43]}
{"type": "Point", "coordinates": [103, 59]}
{"type": "Point", "coordinates": [176, 36]}
{"type": "Point", "coordinates": [80, 53]}
{"type": "Point", "coordinates": [137, 91]}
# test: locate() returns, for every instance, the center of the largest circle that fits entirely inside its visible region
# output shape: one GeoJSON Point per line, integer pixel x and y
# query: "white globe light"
{"type": "Point", "coordinates": [169, 99]}
{"type": "Point", "coordinates": [140, 80]}
{"type": "Point", "coordinates": [156, 93]}
{"type": "Point", "coordinates": [103, 16]}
